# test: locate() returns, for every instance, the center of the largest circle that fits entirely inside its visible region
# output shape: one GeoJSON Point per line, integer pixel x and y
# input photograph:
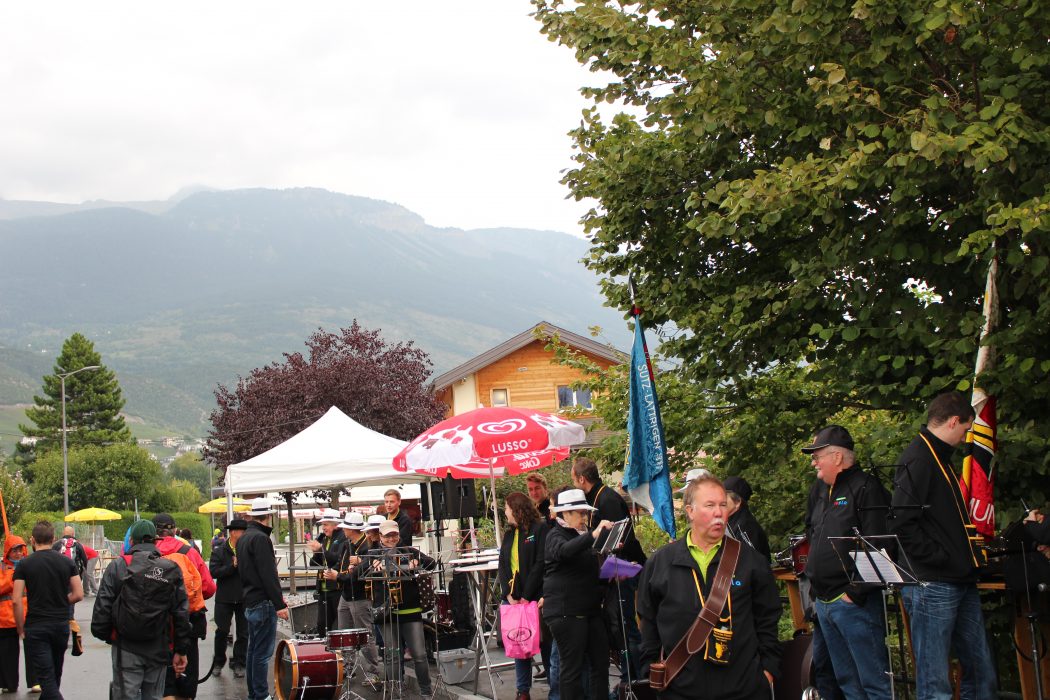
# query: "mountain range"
{"type": "Point", "coordinates": [184, 294]}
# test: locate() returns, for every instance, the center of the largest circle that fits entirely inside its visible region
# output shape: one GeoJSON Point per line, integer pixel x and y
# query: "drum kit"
{"type": "Point", "coordinates": [314, 668]}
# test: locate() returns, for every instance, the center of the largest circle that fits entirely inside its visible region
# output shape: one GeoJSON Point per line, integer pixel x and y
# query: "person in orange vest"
{"type": "Point", "coordinates": [200, 586]}
{"type": "Point", "coordinates": [14, 553]}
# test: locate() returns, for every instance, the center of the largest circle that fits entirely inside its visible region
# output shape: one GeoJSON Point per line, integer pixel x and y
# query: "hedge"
{"type": "Point", "coordinates": [198, 523]}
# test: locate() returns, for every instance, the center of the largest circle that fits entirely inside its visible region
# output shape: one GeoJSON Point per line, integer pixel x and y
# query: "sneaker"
{"type": "Point", "coordinates": [216, 670]}
{"type": "Point", "coordinates": [541, 676]}
{"type": "Point", "coordinates": [238, 671]}
{"type": "Point", "coordinates": [36, 689]}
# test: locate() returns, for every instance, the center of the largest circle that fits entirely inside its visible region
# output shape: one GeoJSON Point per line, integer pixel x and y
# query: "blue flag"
{"type": "Point", "coordinates": [645, 475]}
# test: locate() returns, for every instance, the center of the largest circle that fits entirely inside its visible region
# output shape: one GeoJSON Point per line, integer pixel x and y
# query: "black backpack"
{"type": "Point", "coordinates": [146, 598]}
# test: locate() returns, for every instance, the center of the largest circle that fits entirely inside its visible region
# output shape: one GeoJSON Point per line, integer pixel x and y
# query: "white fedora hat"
{"type": "Point", "coordinates": [572, 499]}
{"type": "Point", "coordinates": [260, 506]}
{"type": "Point", "coordinates": [353, 521]}
{"type": "Point", "coordinates": [330, 515]}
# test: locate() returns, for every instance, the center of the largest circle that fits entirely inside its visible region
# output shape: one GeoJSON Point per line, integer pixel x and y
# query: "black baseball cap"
{"type": "Point", "coordinates": [831, 436]}
{"type": "Point", "coordinates": [739, 486]}
{"type": "Point", "coordinates": [163, 520]}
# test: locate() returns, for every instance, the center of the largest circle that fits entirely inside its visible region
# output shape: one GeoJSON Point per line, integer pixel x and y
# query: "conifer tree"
{"type": "Point", "coordinates": [93, 402]}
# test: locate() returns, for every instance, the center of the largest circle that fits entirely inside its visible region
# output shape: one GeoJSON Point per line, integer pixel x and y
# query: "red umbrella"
{"type": "Point", "coordinates": [490, 442]}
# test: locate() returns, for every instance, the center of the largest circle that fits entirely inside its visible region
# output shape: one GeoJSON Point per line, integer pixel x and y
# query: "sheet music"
{"type": "Point", "coordinates": [876, 568]}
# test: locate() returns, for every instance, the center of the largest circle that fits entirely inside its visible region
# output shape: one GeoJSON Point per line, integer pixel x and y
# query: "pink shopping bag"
{"type": "Point", "coordinates": [520, 627]}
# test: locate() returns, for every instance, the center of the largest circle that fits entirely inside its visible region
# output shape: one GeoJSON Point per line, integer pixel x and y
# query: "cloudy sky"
{"type": "Point", "coordinates": [458, 111]}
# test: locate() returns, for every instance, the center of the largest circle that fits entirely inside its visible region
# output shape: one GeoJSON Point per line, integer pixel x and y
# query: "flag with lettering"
{"type": "Point", "coordinates": [978, 474]}
{"type": "Point", "coordinates": [646, 477]}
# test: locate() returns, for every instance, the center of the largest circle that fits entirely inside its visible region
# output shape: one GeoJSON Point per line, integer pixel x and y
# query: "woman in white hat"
{"type": "Point", "coordinates": [573, 595]}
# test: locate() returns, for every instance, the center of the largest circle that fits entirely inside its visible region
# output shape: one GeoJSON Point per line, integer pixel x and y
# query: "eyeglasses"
{"type": "Point", "coordinates": [820, 454]}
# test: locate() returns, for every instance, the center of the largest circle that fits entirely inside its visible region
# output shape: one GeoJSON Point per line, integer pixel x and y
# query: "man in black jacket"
{"type": "Point", "coordinates": [405, 524]}
{"type": "Point", "coordinates": [610, 505]}
{"type": "Point", "coordinates": [938, 541]}
{"type": "Point", "coordinates": [742, 523]}
{"type": "Point", "coordinates": [263, 601]}
{"type": "Point", "coordinates": [742, 656]}
{"type": "Point", "coordinates": [327, 550]}
{"type": "Point", "coordinates": [229, 600]}
{"type": "Point", "coordinates": [844, 501]}
{"type": "Point", "coordinates": [140, 661]}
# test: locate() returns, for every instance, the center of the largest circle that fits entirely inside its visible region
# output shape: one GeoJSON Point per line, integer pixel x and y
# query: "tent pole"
{"type": "Point", "coordinates": [291, 542]}
{"type": "Point", "coordinates": [495, 503]}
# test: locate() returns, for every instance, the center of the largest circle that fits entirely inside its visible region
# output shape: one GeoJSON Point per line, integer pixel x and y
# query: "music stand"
{"type": "Point", "coordinates": [867, 561]}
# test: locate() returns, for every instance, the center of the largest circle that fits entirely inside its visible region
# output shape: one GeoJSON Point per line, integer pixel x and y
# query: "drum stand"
{"type": "Point", "coordinates": [347, 692]}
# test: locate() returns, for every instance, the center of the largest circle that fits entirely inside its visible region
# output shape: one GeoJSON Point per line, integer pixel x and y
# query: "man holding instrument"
{"type": "Point", "coordinates": [740, 655]}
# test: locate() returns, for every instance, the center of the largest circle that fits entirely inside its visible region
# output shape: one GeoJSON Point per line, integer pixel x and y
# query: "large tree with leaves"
{"type": "Point", "coordinates": [111, 476]}
{"type": "Point", "coordinates": [823, 185]}
{"type": "Point", "coordinates": [93, 401]}
{"type": "Point", "coordinates": [381, 385]}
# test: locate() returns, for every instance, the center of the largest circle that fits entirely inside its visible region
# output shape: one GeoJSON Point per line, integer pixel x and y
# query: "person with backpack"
{"type": "Point", "coordinates": [70, 548]}
{"type": "Point", "coordinates": [199, 587]}
{"type": "Point", "coordinates": [141, 610]}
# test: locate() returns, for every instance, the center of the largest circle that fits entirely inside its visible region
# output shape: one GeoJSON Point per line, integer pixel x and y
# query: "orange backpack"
{"type": "Point", "coordinates": [190, 576]}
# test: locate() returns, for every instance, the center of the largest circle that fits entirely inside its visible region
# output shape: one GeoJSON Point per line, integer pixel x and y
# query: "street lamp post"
{"type": "Point", "coordinates": [65, 452]}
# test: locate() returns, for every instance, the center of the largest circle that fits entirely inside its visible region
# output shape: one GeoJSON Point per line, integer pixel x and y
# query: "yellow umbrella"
{"type": "Point", "coordinates": [90, 515]}
{"type": "Point", "coordinates": [218, 505]}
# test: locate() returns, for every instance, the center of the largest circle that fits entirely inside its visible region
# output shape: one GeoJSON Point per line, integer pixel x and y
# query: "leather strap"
{"type": "Point", "coordinates": [695, 639]}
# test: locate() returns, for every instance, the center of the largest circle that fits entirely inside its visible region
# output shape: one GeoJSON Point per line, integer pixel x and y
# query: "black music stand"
{"type": "Point", "coordinates": [867, 561]}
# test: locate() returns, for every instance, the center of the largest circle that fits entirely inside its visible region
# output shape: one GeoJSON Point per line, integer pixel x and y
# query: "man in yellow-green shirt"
{"type": "Point", "coordinates": [742, 656]}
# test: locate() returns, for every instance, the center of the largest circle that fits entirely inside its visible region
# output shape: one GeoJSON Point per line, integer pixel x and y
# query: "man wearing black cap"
{"type": "Point", "coordinates": [141, 652]}
{"type": "Point", "coordinates": [229, 601]}
{"type": "Point", "coordinates": [937, 536]}
{"type": "Point", "coordinates": [742, 524]}
{"type": "Point", "coordinates": [844, 501]}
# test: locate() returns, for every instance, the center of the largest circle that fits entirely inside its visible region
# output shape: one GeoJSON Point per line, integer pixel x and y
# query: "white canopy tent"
{"type": "Point", "coordinates": [335, 451]}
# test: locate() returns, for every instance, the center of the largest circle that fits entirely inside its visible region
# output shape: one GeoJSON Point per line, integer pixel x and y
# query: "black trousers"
{"type": "Point", "coordinates": [581, 638]}
{"type": "Point", "coordinates": [45, 646]}
{"type": "Point", "coordinates": [327, 611]}
{"type": "Point", "coordinates": [10, 651]}
{"type": "Point", "coordinates": [225, 614]}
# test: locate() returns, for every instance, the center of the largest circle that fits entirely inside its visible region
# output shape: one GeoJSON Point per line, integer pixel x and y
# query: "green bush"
{"type": "Point", "coordinates": [115, 530]}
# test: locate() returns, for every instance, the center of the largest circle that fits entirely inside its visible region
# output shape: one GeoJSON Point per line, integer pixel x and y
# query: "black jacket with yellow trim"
{"type": "Point", "coordinates": [933, 526]}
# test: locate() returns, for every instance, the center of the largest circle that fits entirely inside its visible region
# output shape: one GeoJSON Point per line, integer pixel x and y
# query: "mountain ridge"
{"type": "Point", "coordinates": [221, 282]}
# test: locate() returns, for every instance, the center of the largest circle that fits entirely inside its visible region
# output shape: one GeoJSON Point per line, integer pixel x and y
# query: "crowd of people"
{"type": "Point", "coordinates": [699, 620]}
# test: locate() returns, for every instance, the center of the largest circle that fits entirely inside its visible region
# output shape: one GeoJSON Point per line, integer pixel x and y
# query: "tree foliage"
{"type": "Point", "coordinates": [190, 467]}
{"type": "Point", "coordinates": [15, 492]}
{"type": "Point", "coordinates": [93, 402]}
{"type": "Point", "coordinates": [110, 476]}
{"type": "Point", "coordinates": [815, 190]}
{"type": "Point", "coordinates": [379, 384]}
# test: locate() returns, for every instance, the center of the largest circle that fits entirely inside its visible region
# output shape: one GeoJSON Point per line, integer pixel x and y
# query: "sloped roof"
{"type": "Point", "coordinates": [519, 341]}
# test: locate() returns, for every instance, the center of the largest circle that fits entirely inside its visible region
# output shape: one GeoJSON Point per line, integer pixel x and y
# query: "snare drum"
{"type": "Point", "coordinates": [342, 640]}
{"type": "Point", "coordinates": [306, 670]}
{"type": "Point", "coordinates": [799, 553]}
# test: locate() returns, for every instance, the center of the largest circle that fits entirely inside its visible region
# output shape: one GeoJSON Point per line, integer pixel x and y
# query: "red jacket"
{"type": "Point", "coordinates": [167, 545]}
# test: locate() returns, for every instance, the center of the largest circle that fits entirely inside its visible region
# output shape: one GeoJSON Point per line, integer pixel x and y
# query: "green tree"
{"type": "Point", "coordinates": [190, 467]}
{"type": "Point", "coordinates": [93, 402]}
{"type": "Point", "coordinates": [110, 476]}
{"type": "Point", "coordinates": [177, 496]}
{"type": "Point", "coordinates": [15, 492]}
{"type": "Point", "coordinates": [821, 186]}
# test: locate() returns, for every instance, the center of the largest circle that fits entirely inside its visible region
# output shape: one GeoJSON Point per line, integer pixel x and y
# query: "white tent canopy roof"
{"type": "Point", "coordinates": [334, 451]}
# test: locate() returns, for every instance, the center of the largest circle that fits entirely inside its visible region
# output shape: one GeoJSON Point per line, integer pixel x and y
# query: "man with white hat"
{"type": "Point", "coordinates": [263, 601]}
{"type": "Point", "coordinates": [355, 607]}
{"type": "Point", "coordinates": [328, 549]}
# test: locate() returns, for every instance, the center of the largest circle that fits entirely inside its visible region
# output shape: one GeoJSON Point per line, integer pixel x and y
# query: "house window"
{"type": "Point", "coordinates": [573, 398]}
{"type": "Point", "coordinates": [500, 397]}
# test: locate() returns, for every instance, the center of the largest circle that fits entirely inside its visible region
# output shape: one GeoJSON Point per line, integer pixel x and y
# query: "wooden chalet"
{"type": "Point", "coordinates": [520, 372]}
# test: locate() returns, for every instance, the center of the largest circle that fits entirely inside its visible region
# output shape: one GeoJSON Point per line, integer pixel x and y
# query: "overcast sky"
{"type": "Point", "coordinates": [458, 111]}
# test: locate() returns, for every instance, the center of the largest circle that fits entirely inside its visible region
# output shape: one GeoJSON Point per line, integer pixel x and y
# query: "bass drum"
{"type": "Point", "coordinates": [796, 669]}
{"type": "Point", "coordinates": [304, 670]}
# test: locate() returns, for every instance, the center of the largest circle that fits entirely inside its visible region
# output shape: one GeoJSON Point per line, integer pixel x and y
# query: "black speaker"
{"type": "Point", "coordinates": [449, 499]}
{"type": "Point", "coordinates": [461, 500]}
